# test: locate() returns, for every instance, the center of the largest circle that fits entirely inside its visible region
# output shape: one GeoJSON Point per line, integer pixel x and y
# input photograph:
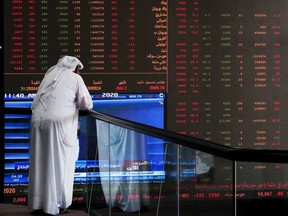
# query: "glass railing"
{"type": "Point", "coordinates": [151, 171]}
{"type": "Point", "coordinates": [129, 167]}
{"type": "Point", "coordinates": [135, 172]}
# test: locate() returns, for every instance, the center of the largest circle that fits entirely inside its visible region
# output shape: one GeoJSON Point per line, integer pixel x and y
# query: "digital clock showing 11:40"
{"type": "Point", "coordinates": [18, 96]}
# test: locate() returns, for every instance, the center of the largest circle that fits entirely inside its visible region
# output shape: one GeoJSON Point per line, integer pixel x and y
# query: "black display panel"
{"type": "Point", "coordinates": [228, 63]}
{"type": "Point", "coordinates": [223, 64]}
{"type": "Point", "coordinates": [122, 45]}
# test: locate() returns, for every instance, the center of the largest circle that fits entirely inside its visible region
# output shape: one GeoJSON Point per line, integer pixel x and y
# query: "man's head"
{"type": "Point", "coordinates": [71, 63]}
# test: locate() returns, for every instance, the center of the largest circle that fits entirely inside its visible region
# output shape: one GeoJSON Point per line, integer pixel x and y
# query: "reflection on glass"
{"type": "Point", "coordinates": [122, 163]}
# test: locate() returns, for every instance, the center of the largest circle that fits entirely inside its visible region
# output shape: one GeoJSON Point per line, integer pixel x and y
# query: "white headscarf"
{"type": "Point", "coordinates": [52, 76]}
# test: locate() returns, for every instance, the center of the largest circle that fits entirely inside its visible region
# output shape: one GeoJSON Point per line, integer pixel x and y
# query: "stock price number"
{"type": "Point", "coordinates": [280, 193]}
{"type": "Point", "coordinates": [19, 199]}
{"type": "Point", "coordinates": [157, 87]}
{"type": "Point", "coordinates": [214, 195]}
{"type": "Point", "coordinates": [200, 195]}
{"type": "Point", "coordinates": [121, 88]}
{"type": "Point", "coordinates": [264, 194]}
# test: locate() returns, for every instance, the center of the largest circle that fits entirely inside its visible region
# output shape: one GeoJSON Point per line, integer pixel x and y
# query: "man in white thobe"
{"type": "Point", "coordinates": [53, 136]}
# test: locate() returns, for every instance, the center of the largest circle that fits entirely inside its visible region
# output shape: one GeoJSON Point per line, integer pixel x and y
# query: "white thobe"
{"type": "Point", "coordinates": [53, 137]}
{"type": "Point", "coordinates": [123, 148]}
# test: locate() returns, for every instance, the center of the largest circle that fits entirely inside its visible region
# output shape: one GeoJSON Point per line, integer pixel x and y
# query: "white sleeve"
{"type": "Point", "coordinates": [83, 98]}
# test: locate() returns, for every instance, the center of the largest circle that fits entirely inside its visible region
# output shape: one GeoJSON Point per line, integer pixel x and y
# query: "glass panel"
{"type": "Point", "coordinates": [205, 187]}
{"type": "Point", "coordinates": [131, 169]}
{"type": "Point", "coordinates": [211, 190]}
{"type": "Point", "coordinates": [134, 172]}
